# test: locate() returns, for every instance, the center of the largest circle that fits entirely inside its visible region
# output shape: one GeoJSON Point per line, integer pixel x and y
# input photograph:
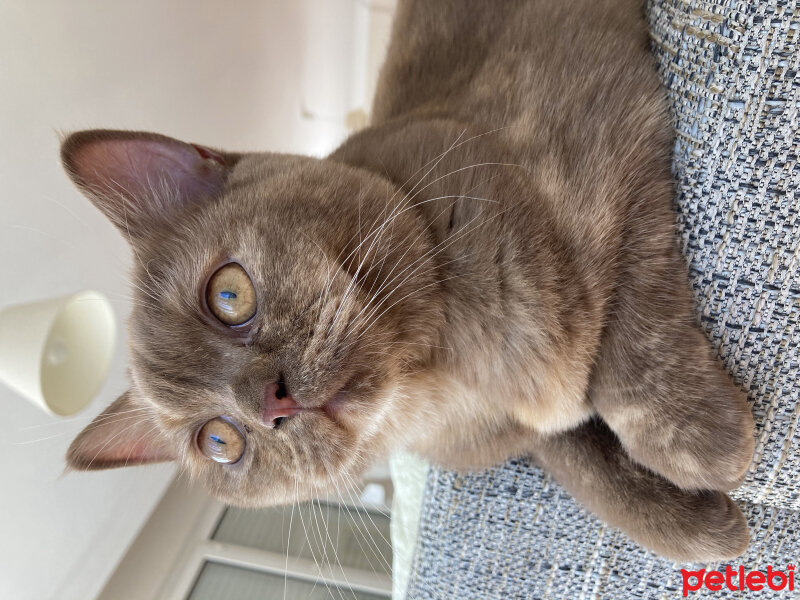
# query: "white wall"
{"type": "Point", "coordinates": [221, 74]}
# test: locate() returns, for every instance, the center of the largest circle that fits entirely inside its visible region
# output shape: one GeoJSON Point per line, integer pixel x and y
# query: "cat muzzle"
{"type": "Point", "coordinates": [277, 405]}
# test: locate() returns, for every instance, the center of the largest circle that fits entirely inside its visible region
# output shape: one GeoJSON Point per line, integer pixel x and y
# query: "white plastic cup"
{"type": "Point", "coordinates": [56, 353]}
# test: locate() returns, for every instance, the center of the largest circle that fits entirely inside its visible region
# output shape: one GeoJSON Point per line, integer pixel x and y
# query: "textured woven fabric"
{"type": "Point", "coordinates": [730, 68]}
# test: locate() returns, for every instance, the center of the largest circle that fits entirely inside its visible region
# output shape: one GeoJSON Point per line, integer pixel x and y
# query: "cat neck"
{"type": "Point", "coordinates": [517, 303]}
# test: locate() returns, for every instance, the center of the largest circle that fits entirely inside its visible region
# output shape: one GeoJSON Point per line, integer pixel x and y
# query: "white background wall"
{"type": "Point", "coordinates": [220, 74]}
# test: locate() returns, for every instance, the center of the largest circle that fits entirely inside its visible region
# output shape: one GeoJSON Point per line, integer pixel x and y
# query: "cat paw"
{"type": "Point", "coordinates": [704, 527]}
{"type": "Point", "coordinates": [680, 524]}
{"type": "Point", "coordinates": [720, 464]}
{"type": "Point", "coordinates": [715, 451]}
{"type": "Point", "coordinates": [703, 446]}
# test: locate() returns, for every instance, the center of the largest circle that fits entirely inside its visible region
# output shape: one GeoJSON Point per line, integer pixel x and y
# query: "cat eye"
{"type": "Point", "coordinates": [230, 295]}
{"type": "Point", "coordinates": [221, 441]}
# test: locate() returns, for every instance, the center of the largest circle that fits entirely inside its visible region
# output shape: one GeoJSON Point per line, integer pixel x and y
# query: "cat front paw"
{"type": "Point", "coordinates": [706, 527]}
{"type": "Point", "coordinates": [697, 445]}
{"type": "Point", "coordinates": [713, 449]}
{"type": "Point", "coordinates": [719, 462]}
{"type": "Point", "coordinates": [680, 524]}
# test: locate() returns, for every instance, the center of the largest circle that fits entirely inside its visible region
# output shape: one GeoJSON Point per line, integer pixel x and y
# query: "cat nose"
{"type": "Point", "coordinates": [278, 404]}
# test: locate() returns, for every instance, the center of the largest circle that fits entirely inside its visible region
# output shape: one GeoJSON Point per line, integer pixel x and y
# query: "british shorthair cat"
{"type": "Point", "coordinates": [489, 270]}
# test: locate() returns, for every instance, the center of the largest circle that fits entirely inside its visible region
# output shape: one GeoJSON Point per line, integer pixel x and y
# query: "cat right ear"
{"type": "Point", "coordinates": [123, 435]}
{"type": "Point", "coordinates": [138, 179]}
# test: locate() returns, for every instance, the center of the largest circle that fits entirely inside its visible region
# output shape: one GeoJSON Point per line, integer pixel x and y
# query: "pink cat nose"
{"type": "Point", "coordinates": [278, 404]}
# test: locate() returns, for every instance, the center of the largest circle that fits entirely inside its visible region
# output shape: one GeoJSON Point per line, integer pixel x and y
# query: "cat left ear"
{"type": "Point", "coordinates": [123, 435]}
{"type": "Point", "coordinates": [137, 178]}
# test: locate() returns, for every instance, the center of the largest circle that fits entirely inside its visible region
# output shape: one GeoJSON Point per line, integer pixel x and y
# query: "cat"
{"type": "Point", "coordinates": [489, 270]}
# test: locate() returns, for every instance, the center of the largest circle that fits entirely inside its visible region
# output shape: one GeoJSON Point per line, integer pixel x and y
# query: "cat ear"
{"type": "Point", "coordinates": [123, 435]}
{"type": "Point", "coordinates": [137, 178]}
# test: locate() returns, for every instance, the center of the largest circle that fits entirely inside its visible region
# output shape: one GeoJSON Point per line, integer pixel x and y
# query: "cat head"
{"type": "Point", "coordinates": [278, 302]}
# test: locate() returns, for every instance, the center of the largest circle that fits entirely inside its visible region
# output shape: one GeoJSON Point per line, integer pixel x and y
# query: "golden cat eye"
{"type": "Point", "coordinates": [230, 295]}
{"type": "Point", "coordinates": [221, 441]}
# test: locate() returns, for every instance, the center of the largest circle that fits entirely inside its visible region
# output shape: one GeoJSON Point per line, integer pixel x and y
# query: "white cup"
{"type": "Point", "coordinates": [56, 353]}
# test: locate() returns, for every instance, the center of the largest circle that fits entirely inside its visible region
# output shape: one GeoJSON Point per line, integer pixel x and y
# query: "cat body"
{"type": "Point", "coordinates": [489, 270]}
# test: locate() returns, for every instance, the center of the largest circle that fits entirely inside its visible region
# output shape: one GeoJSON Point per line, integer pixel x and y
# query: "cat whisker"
{"type": "Point", "coordinates": [127, 300]}
{"type": "Point", "coordinates": [372, 296]}
{"type": "Point", "coordinates": [337, 481]}
{"type": "Point", "coordinates": [411, 245]}
{"type": "Point", "coordinates": [351, 489]}
{"type": "Point", "coordinates": [455, 144]}
{"type": "Point", "coordinates": [472, 166]}
{"type": "Point", "coordinates": [321, 300]}
{"type": "Point", "coordinates": [351, 330]}
{"type": "Point", "coordinates": [418, 344]}
{"type": "Point", "coordinates": [440, 248]}
{"type": "Point", "coordinates": [102, 420]}
{"type": "Point", "coordinates": [380, 229]}
{"type": "Point", "coordinates": [343, 506]}
{"type": "Point", "coordinates": [67, 421]}
{"type": "Point", "coordinates": [372, 553]}
{"type": "Point", "coordinates": [145, 292]}
{"type": "Point", "coordinates": [330, 278]}
{"type": "Point", "coordinates": [406, 202]}
{"type": "Point", "coordinates": [333, 546]}
{"type": "Point", "coordinates": [320, 564]}
{"type": "Point", "coordinates": [396, 213]}
{"type": "Point", "coordinates": [376, 232]}
{"type": "Point", "coordinates": [313, 554]}
{"type": "Point", "coordinates": [380, 264]}
{"type": "Point", "coordinates": [38, 440]}
{"type": "Point", "coordinates": [443, 245]}
{"type": "Point", "coordinates": [95, 424]}
{"type": "Point", "coordinates": [288, 540]}
{"type": "Point", "coordinates": [325, 559]}
{"type": "Point", "coordinates": [353, 280]}
{"type": "Point", "coordinates": [295, 476]}
{"type": "Point", "coordinates": [437, 282]}
{"type": "Point", "coordinates": [430, 223]}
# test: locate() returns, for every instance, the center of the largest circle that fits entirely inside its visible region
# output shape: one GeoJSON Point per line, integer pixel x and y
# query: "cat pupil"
{"type": "Point", "coordinates": [228, 295]}
{"type": "Point", "coordinates": [216, 438]}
